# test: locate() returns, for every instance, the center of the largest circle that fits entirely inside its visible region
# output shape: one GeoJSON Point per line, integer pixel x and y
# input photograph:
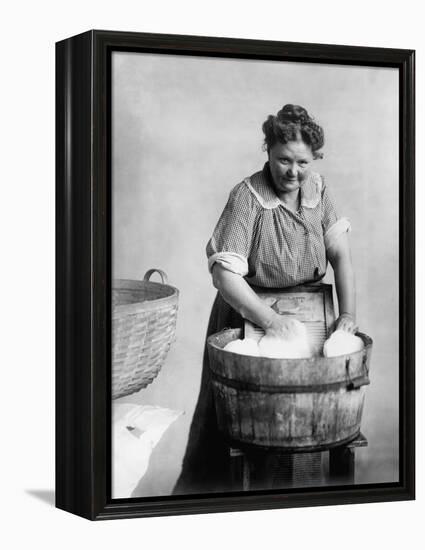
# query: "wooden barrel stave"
{"type": "Point", "coordinates": [292, 420]}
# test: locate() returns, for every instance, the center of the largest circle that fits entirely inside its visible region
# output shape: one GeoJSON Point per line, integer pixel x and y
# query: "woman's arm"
{"type": "Point", "coordinates": [340, 259]}
{"type": "Point", "coordinates": [237, 293]}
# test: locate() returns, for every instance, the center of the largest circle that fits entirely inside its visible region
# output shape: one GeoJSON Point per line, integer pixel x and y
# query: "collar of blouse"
{"type": "Point", "coordinates": [310, 190]}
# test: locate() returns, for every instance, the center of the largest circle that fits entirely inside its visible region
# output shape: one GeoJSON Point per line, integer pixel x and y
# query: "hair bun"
{"type": "Point", "coordinates": [293, 123]}
{"type": "Point", "coordinates": [293, 113]}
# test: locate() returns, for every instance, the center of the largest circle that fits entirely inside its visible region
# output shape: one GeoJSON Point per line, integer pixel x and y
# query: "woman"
{"type": "Point", "coordinates": [278, 229]}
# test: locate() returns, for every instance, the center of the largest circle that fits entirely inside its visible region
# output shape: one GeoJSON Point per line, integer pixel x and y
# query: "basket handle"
{"type": "Point", "coordinates": [163, 275]}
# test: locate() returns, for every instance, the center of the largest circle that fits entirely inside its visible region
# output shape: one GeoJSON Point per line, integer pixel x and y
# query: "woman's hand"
{"type": "Point", "coordinates": [282, 327]}
{"type": "Point", "coordinates": [346, 322]}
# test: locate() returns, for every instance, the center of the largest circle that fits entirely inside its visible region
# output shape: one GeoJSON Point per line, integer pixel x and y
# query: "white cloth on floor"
{"type": "Point", "coordinates": [136, 430]}
{"type": "Point", "coordinates": [342, 342]}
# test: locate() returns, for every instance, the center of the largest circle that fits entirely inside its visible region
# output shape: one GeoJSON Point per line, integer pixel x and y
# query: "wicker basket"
{"type": "Point", "coordinates": [144, 317]}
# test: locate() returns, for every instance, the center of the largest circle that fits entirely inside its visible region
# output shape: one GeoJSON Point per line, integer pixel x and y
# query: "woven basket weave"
{"type": "Point", "coordinates": [144, 317]}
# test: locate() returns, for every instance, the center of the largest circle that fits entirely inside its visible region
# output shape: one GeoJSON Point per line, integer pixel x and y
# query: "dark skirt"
{"type": "Point", "coordinates": [206, 461]}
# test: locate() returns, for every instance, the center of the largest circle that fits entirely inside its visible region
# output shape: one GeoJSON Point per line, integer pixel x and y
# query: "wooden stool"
{"type": "Point", "coordinates": [259, 469]}
{"type": "Point", "coordinates": [341, 460]}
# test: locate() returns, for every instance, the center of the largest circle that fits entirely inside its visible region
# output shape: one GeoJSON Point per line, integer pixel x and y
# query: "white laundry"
{"type": "Point", "coordinates": [136, 430]}
{"type": "Point", "coordinates": [342, 342]}
{"type": "Point", "coordinates": [247, 346]}
{"type": "Point", "coordinates": [295, 346]}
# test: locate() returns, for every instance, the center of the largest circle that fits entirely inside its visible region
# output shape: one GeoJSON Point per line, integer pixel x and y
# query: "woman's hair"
{"type": "Point", "coordinates": [292, 123]}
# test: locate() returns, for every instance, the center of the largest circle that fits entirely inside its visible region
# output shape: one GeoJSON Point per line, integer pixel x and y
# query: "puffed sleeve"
{"type": "Point", "coordinates": [231, 241]}
{"type": "Point", "coordinates": [333, 226]}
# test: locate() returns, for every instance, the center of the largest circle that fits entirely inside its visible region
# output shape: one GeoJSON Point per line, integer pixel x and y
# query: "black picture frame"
{"type": "Point", "coordinates": [83, 273]}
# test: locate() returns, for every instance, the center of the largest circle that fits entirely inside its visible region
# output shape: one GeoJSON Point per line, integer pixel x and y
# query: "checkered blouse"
{"type": "Point", "coordinates": [268, 244]}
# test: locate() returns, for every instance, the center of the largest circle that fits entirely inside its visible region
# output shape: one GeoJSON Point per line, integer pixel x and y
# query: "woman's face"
{"type": "Point", "coordinates": [289, 164]}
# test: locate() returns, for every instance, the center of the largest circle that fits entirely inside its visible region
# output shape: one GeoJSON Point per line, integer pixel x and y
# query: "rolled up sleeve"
{"type": "Point", "coordinates": [333, 226]}
{"type": "Point", "coordinates": [231, 241]}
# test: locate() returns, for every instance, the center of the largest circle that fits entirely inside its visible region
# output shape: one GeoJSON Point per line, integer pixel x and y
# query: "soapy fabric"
{"type": "Point", "coordinates": [294, 346]}
{"type": "Point", "coordinates": [247, 346]}
{"type": "Point", "coordinates": [341, 343]}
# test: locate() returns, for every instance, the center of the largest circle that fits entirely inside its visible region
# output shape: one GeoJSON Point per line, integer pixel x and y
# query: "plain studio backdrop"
{"type": "Point", "coordinates": [185, 130]}
{"type": "Point", "coordinates": [27, 112]}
